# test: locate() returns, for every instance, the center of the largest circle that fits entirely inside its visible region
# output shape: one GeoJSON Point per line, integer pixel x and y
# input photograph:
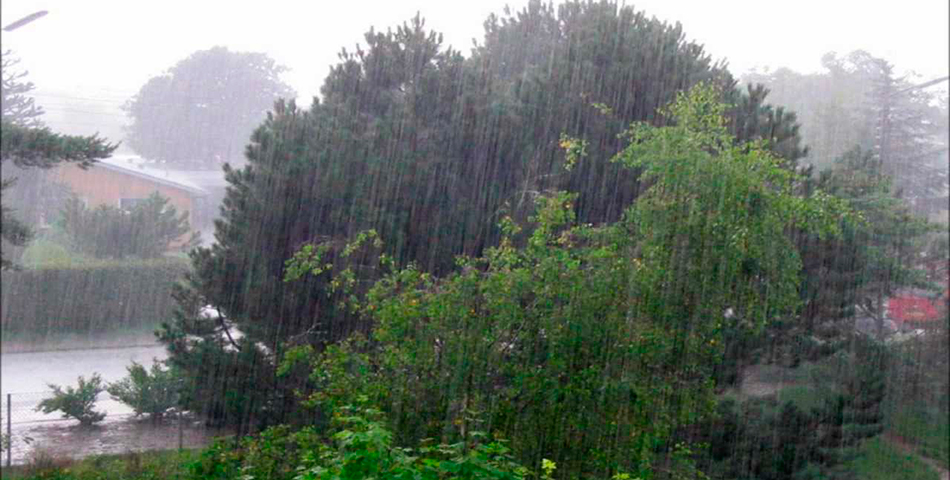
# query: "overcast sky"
{"type": "Point", "coordinates": [93, 55]}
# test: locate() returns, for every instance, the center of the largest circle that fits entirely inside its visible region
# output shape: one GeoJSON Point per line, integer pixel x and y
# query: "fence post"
{"type": "Point", "coordinates": [180, 421]}
{"type": "Point", "coordinates": [9, 433]}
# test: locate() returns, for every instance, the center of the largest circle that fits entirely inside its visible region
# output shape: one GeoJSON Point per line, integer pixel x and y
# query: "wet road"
{"type": "Point", "coordinates": [25, 376]}
{"type": "Point", "coordinates": [30, 372]}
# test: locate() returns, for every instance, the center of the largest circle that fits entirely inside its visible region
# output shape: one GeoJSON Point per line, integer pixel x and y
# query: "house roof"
{"type": "Point", "coordinates": [911, 308]}
{"type": "Point", "coordinates": [194, 182]}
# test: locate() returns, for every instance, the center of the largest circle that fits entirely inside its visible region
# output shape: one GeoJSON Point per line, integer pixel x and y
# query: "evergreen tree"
{"type": "Point", "coordinates": [17, 106]}
{"type": "Point", "coordinates": [430, 149]}
{"type": "Point", "coordinates": [41, 148]}
{"type": "Point", "coordinates": [873, 258]}
{"type": "Point", "coordinates": [906, 135]}
{"type": "Point", "coordinates": [588, 346]}
{"type": "Point", "coordinates": [858, 101]}
{"type": "Point", "coordinates": [852, 411]}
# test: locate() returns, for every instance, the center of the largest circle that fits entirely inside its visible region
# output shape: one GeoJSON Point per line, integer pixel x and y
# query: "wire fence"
{"type": "Point", "coordinates": [26, 429]}
{"type": "Point", "coordinates": [23, 408]}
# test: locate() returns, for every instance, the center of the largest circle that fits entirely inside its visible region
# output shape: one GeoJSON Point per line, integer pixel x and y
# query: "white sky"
{"type": "Point", "coordinates": [90, 56]}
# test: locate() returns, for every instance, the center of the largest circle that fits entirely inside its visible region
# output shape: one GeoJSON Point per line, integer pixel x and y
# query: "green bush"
{"type": "Point", "coordinates": [364, 449]}
{"type": "Point", "coordinates": [149, 392]}
{"type": "Point", "coordinates": [87, 300]}
{"type": "Point", "coordinates": [926, 428]}
{"type": "Point", "coordinates": [44, 252]}
{"type": "Point", "coordinates": [145, 230]}
{"type": "Point", "coordinates": [358, 446]}
{"type": "Point", "coordinates": [759, 438]}
{"type": "Point", "coordinates": [878, 460]}
{"type": "Point", "coordinates": [76, 403]}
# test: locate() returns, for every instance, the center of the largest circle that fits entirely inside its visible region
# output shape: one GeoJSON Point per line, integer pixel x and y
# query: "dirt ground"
{"type": "Point", "coordinates": [122, 434]}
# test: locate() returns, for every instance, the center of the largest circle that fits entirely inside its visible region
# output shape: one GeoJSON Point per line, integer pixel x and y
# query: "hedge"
{"type": "Point", "coordinates": [88, 300]}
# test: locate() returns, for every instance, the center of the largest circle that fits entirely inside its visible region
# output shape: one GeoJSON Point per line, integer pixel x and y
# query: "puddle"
{"type": "Point", "coordinates": [116, 434]}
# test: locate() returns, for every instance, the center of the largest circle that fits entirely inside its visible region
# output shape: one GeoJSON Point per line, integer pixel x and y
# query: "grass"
{"type": "Point", "coordinates": [927, 429]}
{"type": "Point", "coordinates": [878, 460]}
{"type": "Point", "coordinates": [154, 465]}
{"type": "Point", "coordinates": [50, 253]}
{"type": "Point", "coordinates": [803, 397]}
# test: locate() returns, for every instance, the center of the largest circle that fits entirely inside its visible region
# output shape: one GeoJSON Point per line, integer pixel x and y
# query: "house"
{"type": "Point", "coordinates": [122, 181]}
{"type": "Point", "coordinates": [914, 310]}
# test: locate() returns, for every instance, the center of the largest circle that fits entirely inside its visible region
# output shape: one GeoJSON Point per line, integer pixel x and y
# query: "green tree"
{"type": "Point", "coordinates": [852, 411]}
{"type": "Point", "coordinates": [589, 346]}
{"type": "Point", "coordinates": [41, 148]}
{"type": "Point", "coordinates": [16, 104]}
{"type": "Point", "coordinates": [200, 112]}
{"type": "Point", "coordinates": [430, 149]}
{"type": "Point", "coordinates": [146, 230]}
{"type": "Point", "coordinates": [26, 190]}
{"type": "Point", "coordinates": [27, 144]}
{"type": "Point", "coordinates": [873, 258]}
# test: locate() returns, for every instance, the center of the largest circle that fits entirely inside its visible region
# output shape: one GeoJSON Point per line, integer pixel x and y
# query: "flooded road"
{"type": "Point", "coordinates": [25, 377]}
{"type": "Point", "coordinates": [30, 372]}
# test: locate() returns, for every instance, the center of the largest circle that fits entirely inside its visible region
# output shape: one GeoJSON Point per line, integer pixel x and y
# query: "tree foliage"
{"type": "Point", "coordinates": [430, 149]}
{"type": "Point", "coordinates": [16, 104]}
{"type": "Point", "coordinates": [200, 112]}
{"type": "Point", "coordinates": [146, 230]}
{"type": "Point", "coordinates": [43, 148]}
{"type": "Point", "coordinates": [857, 272]}
{"type": "Point", "coordinates": [149, 392]}
{"type": "Point", "coordinates": [27, 144]}
{"type": "Point", "coordinates": [859, 101]}
{"type": "Point", "coordinates": [589, 345]}
{"type": "Point", "coordinates": [78, 403]}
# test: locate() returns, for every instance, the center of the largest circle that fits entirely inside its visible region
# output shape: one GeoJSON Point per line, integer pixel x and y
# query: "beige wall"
{"type": "Point", "coordinates": [103, 186]}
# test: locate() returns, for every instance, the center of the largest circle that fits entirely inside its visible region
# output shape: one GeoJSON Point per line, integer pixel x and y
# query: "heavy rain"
{"type": "Point", "coordinates": [474, 240]}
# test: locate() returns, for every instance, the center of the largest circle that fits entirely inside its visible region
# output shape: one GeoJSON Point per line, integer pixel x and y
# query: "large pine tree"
{"type": "Point", "coordinates": [430, 149]}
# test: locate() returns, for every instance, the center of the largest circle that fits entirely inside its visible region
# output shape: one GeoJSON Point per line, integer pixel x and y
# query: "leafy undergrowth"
{"type": "Point", "coordinates": [878, 460]}
{"type": "Point", "coordinates": [358, 447]}
{"type": "Point", "coordinates": [154, 465]}
{"type": "Point", "coordinates": [927, 431]}
{"type": "Point", "coordinates": [362, 451]}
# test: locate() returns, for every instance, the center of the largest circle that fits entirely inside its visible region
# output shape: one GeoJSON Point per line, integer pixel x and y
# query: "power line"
{"type": "Point", "coordinates": [60, 110]}
{"type": "Point", "coordinates": [922, 85]}
{"type": "Point", "coordinates": [87, 99]}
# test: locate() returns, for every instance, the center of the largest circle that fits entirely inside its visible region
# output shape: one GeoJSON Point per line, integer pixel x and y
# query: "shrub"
{"type": "Point", "coordinates": [76, 403]}
{"type": "Point", "coordinates": [149, 392]}
{"type": "Point", "coordinates": [145, 230]}
{"type": "Point", "coordinates": [357, 445]}
{"type": "Point", "coordinates": [878, 459]}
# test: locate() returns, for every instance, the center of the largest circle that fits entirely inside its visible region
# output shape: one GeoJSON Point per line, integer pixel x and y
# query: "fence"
{"type": "Point", "coordinates": [26, 428]}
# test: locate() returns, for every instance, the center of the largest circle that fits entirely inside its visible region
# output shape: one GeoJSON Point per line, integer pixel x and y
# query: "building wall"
{"type": "Point", "coordinates": [102, 186]}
